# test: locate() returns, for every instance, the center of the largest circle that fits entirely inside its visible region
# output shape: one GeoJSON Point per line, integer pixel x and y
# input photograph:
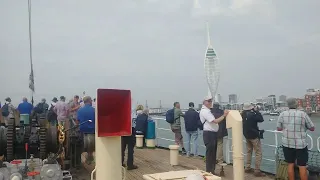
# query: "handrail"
{"type": "Point", "coordinates": [229, 141]}
{"type": "Point", "coordinates": [318, 144]}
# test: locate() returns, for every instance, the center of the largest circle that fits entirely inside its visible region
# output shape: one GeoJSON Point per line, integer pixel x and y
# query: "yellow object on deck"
{"type": "Point", "coordinates": [179, 175]}
{"type": "Point", "coordinates": [282, 170]}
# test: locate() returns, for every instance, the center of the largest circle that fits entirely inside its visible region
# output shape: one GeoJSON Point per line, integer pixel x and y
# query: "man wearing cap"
{"type": "Point", "coordinates": [294, 125]}
{"type": "Point", "coordinates": [210, 129]}
{"type": "Point", "coordinates": [42, 108]}
{"type": "Point", "coordinates": [250, 120]}
{"type": "Point", "coordinates": [52, 116]}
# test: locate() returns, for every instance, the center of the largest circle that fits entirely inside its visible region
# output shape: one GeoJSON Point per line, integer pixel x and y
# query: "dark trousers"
{"type": "Point", "coordinates": [210, 141]}
{"type": "Point", "coordinates": [130, 142]}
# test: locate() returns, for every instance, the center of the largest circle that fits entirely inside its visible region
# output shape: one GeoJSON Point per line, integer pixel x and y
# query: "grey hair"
{"type": "Point", "coordinates": [146, 111]}
{"type": "Point", "coordinates": [24, 99]}
{"type": "Point", "coordinates": [86, 99]}
{"type": "Point", "coordinates": [292, 103]}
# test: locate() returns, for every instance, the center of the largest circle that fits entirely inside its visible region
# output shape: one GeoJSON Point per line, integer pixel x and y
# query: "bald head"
{"type": "Point", "coordinates": [87, 100]}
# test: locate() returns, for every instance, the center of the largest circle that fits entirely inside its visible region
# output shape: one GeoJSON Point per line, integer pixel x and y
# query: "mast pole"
{"type": "Point", "coordinates": [31, 78]}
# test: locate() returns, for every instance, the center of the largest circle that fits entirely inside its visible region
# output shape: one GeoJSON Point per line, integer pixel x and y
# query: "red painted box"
{"type": "Point", "coordinates": [113, 108]}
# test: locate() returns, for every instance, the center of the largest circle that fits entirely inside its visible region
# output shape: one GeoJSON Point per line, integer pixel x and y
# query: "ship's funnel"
{"type": "Point", "coordinates": [234, 122]}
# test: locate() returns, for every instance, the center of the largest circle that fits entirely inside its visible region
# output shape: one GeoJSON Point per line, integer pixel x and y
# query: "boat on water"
{"type": "Point", "coordinates": [274, 113]}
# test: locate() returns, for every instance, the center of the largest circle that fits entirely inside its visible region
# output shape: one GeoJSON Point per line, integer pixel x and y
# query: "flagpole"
{"type": "Point", "coordinates": [31, 78]}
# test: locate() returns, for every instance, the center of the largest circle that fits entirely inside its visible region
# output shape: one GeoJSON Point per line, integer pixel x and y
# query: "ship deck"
{"type": "Point", "coordinates": [152, 161]}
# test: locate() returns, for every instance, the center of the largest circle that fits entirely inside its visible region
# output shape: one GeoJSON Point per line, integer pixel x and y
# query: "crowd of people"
{"type": "Point", "coordinates": [212, 121]}
{"type": "Point", "coordinates": [78, 111]}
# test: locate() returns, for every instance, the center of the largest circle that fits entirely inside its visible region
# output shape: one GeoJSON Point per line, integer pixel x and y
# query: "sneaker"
{"type": "Point", "coordinates": [184, 151]}
{"type": "Point", "coordinates": [132, 167]}
{"type": "Point", "coordinates": [259, 174]}
{"type": "Point", "coordinates": [248, 170]}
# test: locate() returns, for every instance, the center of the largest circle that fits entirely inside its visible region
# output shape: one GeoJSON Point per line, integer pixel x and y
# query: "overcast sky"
{"type": "Point", "coordinates": [156, 48]}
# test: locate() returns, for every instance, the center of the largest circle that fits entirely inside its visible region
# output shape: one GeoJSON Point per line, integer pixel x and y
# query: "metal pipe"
{"type": "Point", "coordinates": [108, 158]}
{"type": "Point", "coordinates": [234, 121]}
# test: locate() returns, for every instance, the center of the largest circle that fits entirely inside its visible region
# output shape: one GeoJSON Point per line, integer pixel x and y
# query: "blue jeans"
{"type": "Point", "coordinates": [192, 135]}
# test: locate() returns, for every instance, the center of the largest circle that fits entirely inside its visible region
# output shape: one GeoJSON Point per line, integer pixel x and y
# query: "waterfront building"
{"type": "Point", "coordinates": [312, 100]}
{"type": "Point", "coordinates": [283, 98]}
{"type": "Point", "coordinates": [218, 98]}
{"type": "Point", "coordinates": [273, 101]}
{"type": "Point", "coordinates": [233, 99]}
{"type": "Point", "coordinates": [281, 104]}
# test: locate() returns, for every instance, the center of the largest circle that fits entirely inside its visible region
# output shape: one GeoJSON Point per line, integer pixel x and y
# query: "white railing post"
{"type": "Point", "coordinates": [157, 126]}
{"type": "Point", "coordinates": [311, 147]}
{"type": "Point", "coordinates": [228, 151]}
{"type": "Point", "coordinates": [276, 142]}
{"type": "Point", "coordinates": [228, 142]}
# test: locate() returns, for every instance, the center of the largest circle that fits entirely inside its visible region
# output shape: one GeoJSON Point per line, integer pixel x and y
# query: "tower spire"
{"type": "Point", "coordinates": [208, 33]}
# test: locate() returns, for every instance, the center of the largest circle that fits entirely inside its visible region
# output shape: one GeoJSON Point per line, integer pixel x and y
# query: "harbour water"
{"type": "Point", "coordinates": [165, 137]}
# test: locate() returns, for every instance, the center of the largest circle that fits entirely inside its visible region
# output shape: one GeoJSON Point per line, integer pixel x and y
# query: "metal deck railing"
{"type": "Point", "coordinates": [269, 157]}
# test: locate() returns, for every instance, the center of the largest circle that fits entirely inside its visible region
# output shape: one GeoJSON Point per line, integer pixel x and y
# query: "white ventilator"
{"type": "Point", "coordinates": [211, 66]}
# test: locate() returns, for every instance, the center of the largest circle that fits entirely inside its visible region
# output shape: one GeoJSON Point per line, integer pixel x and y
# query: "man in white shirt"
{"type": "Point", "coordinates": [210, 129]}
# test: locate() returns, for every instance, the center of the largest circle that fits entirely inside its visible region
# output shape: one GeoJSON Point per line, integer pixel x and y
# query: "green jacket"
{"type": "Point", "coordinates": [177, 119]}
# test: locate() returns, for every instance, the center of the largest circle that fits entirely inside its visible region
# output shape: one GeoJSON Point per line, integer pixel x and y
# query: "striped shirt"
{"type": "Point", "coordinates": [294, 124]}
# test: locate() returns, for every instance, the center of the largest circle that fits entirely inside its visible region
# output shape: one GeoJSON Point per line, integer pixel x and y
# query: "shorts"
{"type": "Point", "coordinates": [292, 155]}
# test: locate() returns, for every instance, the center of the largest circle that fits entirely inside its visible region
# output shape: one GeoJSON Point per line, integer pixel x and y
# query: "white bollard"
{"type": "Point", "coordinates": [139, 141]}
{"type": "Point", "coordinates": [151, 143]}
{"type": "Point", "coordinates": [174, 154]}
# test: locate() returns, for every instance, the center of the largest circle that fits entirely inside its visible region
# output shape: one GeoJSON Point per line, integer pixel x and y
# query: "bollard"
{"type": "Point", "coordinates": [151, 135]}
{"type": "Point", "coordinates": [174, 154]}
{"type": "Point", "coordinates": [151, 143]}
{"type": "Point", "coordinates": [139, 141]}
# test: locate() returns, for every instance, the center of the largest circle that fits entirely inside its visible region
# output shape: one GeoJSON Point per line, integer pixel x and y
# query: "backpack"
{"type": "Point", "coordinates": [39, 108]}
{"type": "Point", "coordinates": [170, 116]}
{"type": "Point", "coordinates": [5, 110]}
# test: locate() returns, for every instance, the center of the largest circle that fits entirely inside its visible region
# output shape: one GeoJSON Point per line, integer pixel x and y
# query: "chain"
{"type": "Point", "coordinates": [62, 138]}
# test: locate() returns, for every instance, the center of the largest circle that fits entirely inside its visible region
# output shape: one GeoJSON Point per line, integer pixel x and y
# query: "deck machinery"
{"type": "Point", "coordinates": [32, 150]}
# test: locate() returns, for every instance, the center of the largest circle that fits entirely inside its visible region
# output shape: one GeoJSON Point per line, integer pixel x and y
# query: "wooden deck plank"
{"type": "Point", "coordinates": [150, 161]}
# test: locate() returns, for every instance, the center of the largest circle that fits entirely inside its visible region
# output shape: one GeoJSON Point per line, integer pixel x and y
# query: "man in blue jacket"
{"type": "Point", "coordinates": [192, 122]}
{"type": "Point", "coordinates": [84, 114]}
{"type": "Point", "coordinates": [142, 125]}
{"type": "Point", "coordinates": [25, 107]}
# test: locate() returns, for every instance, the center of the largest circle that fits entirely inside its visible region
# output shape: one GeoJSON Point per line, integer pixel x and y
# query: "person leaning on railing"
{"type": "Point", "coordinates": [294, 125]}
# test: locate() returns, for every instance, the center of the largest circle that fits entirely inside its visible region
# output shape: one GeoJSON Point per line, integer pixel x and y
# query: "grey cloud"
{"type": "Point", "coordinates": [156, 48]}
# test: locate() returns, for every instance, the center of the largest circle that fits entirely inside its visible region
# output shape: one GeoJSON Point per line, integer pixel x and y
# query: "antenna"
{"type": "Point", "coordinates": [208, 32]}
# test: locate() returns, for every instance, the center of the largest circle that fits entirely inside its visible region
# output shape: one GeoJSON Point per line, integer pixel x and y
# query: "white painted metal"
{"type": "Point", "coordinates": [211, 66]}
